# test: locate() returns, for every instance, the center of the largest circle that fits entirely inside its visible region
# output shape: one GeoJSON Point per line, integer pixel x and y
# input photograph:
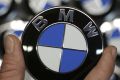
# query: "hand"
{"type": "Point", "coordinates": [13, 66]}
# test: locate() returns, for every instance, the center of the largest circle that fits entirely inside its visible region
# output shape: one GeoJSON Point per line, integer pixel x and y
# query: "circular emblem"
{"type": "Point", "coordinates": [42, 4]}
{"type": "Point", "coordinates": [61, 43]}
{"type": "Point", "coordinates": [97, 7]}
{"type": "Point", "coordinates": [5, 6]}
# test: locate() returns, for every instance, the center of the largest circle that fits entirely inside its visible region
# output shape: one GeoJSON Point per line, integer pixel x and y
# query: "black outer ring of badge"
{"type": "Point", "coordinates": [30, 37]}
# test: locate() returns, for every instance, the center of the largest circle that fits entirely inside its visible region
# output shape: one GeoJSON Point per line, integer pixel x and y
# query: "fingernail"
{"type": "Point", "coordinates": [8, 44]}
{"type": "Point", "coordinates": [114, 52]}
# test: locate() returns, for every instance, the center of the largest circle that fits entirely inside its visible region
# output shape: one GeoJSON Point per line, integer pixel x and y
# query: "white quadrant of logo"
{"type": "Point", "coordinates": [74, 38]}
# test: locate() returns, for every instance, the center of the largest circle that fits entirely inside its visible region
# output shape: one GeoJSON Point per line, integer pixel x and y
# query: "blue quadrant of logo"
{"type": "Point", "coordinates": [48, 5]}
{"type": "Point", "coordinates": [52, 36]}
{"type": "Point", "coordinates": [71, 59]}
{"type": "Point", "coordinates": [116, 34]}
{"type": "Point", "coordinates": [2, 6]}
{"type": "Point", "coordinates": [18, 33]}
{"type": "Point", "coordinates": [105, 2]}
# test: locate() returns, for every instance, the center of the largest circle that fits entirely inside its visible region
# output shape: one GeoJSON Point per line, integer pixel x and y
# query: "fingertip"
{"type": "Point", "coordinates": [114, 51]}
{"type": "Point", "coordinates": [105, 67]}
{"type": "Point", "coordinates": [14, 38]}
{"type": "Point", "coordinates": [13, 65]}
{"type": "Point", "coordinates": [110, 50]}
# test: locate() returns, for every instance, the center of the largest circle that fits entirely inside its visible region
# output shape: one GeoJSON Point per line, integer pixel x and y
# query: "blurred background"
{"type": "Point", "coordinates": [15, 14]}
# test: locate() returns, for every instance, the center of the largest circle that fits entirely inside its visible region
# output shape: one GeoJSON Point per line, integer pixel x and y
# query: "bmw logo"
{"type": "Point", "coordinates": [61, 43]}
{"type": "Point", "coordinates": [97, 7]}
{"type": "Point", "coordinates": [5, 7]}
{"type": "Point", "coordinates": [39, 5]}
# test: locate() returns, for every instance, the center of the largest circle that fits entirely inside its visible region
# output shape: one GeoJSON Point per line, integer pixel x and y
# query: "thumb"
{"type": "Point", "coordinates": [105, 67]}
{"type": "Point", "coordinates": [13, 67]}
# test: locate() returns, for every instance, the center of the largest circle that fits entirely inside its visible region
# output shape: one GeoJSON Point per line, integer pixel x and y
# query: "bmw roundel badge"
{"type": "Point", "coordinates": [61, 43]}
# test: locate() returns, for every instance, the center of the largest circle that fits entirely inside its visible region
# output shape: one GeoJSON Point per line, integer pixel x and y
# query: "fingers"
{"type": "Point", "coordinates": [13, 67]}
{"type": "Point", "coordinates": [104, 69]}
{"type": "Point", "coordinates": [13, 63]}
